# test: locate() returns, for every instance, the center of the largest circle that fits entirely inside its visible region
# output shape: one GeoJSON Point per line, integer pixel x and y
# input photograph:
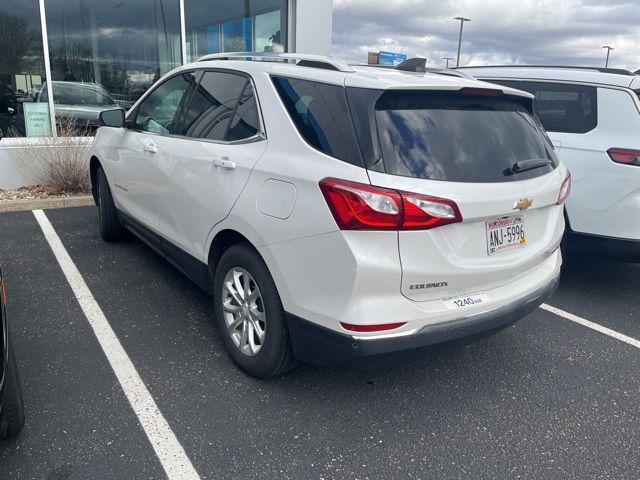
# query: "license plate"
{"type": "Point", "coordinates": [466, 301]}
{"type": "Point", "coordinates": [505, 234]}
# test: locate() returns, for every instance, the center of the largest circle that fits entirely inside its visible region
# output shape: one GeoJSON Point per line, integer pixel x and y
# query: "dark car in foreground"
{"type": "Point", "coordinates": [11, 406]}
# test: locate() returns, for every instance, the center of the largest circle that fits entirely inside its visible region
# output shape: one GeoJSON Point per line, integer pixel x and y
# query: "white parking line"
{"type": "Point", "coordinates": [594, 326]}
{"type": "Point", "coordinates": [172, 456]}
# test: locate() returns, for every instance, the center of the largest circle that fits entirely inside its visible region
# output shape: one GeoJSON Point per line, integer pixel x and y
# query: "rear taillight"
{"type": "Point", "coordinates": [422, 212]}
{"type": "Point", "coordinates": [565, 188]}
{"type": "Point", "coordinates": [381, 327]}
{"type": "Point", "coordinates": [625, 156]}
{"type": "Point", "coordinates": [358, 206]}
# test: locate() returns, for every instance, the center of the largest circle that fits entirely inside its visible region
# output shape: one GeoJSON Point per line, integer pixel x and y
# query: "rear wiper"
{"type": "Point", "coordinates": [524, 165]}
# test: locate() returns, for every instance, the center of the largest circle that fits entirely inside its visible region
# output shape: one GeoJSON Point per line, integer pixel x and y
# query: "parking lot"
{"type": "Point", "coordinates": [546, 398]}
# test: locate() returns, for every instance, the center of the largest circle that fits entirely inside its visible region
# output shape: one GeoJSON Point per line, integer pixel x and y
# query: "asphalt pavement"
{"type": "Point", "coordinates": [546, 398]}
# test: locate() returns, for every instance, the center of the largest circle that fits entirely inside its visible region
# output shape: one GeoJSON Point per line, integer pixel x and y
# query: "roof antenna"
{"type": "Point", "coordinates": [413, 65]}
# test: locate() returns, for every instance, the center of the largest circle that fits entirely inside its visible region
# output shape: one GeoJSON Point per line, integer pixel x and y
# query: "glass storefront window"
{"type": "Point", "coordinates": [21, 70]}
{"type": "Point", "coordinates": [108, 53]}
{"type": "Point", "coordinates": [235, 26]}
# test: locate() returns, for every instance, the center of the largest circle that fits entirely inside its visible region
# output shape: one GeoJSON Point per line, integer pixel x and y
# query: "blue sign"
{"type": "Point", "coordinates": [390, 58]}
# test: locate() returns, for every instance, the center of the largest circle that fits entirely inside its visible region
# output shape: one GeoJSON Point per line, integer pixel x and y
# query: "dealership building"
{"type": "Point", "coordinates": [124, 46]}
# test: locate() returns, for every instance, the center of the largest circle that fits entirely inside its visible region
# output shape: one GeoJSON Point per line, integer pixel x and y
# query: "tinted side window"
{"type": "Point", "coordinates": [563, 107]}
{"type": "Point", "coordinates": [212, 105]}
{"type": "Point", "coordinates": [245, 121]}
{"type": "Point", "coordinates": [159, 112]}
{"type": "Point", "coordinates": [321, 115]}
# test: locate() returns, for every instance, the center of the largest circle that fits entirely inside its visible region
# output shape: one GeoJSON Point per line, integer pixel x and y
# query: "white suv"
{"type": "Point", "coordinates": [339, 215]}
{"type": "Point", "coordinates": [593, 117]}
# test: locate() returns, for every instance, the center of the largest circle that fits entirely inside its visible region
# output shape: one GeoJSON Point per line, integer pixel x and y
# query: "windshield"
{"type": "Point", "coordinates": [79, 94]}
{"type": "Point", "coordinates": [460, 138]}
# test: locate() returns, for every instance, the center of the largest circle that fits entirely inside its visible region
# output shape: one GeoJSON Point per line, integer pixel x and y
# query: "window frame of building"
{"type": "Point", "coordinates": [255, 16]}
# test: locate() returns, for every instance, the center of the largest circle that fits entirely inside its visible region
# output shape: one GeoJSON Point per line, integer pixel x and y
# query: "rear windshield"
{"type": "Point", "coordinates": [459, 138]}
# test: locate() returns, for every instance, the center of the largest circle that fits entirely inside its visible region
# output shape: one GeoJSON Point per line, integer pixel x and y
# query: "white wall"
{"type": "Point", "coordinates": [313, 26]}
{"type": "Point", "coordinates": [10, 176]}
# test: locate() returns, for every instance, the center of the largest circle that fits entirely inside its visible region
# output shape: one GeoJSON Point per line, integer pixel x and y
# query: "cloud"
{"type": "Point", "coordinates": [560, 32]}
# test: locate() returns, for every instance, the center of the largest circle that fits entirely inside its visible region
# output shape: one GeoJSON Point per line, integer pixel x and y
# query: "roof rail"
{"type": "Point", "coordinates": [617, 71]}
{"type": "Point", "coordinates": [438, 71]}
{"type": "Point", "coordinates": [303, 60]}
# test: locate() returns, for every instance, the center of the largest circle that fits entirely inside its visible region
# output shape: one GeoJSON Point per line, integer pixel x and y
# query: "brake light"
{"type": "Point", "coordinates": [627, 157]}
{"type": "Point", "coordinates": [358, 206]}
{"type": "Point", "coordinates": [372, 328]}
{"type": "Point", "coordinates": [565, 188]}
{"type": "Point", "coordinates": [481, 92]}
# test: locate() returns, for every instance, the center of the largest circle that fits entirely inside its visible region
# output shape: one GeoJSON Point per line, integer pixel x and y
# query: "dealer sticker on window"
{"type": "Point", "coordinates": [465, 301]}
{"type": "Point", "coordinates": [505, 234]}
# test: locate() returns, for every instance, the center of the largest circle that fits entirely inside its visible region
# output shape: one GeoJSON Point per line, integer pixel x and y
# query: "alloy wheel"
{"type": "Point", "coordinates": [243, 311]}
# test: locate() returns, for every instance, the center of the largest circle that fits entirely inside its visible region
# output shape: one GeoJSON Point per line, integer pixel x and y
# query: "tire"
{"type": "Point", "coordinates": [13, 415]}
{"type": "Point", "coordinates": [271, 355]}
{"type": "Point", "coordinates": [111, 229]}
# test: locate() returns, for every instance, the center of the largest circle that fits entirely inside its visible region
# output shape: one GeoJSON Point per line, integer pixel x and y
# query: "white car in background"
{"type": "Point", "coordinates": [339, 215]}
{"type": "Point", "coordinates": [593, 118]}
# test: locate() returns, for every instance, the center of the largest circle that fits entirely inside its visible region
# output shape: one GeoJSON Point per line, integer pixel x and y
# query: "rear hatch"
{"type": "Point", "coordinates": [478, 159]}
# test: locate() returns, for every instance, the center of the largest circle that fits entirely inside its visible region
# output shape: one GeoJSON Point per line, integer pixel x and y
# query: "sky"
{"type": "Point", "coordinates": [543, 32]}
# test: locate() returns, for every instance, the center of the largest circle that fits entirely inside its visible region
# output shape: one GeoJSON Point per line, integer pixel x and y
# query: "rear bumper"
{"type": "Point", "coordinates": [623, 249]}
{"type": "Point", "coordinates": [319, 345]}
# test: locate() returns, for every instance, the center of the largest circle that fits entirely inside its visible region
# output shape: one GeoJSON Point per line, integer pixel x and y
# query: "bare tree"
{"type": "Point", "coordinates": [62, 163]}
{"type": "Point", "coordinates": [18, 44]}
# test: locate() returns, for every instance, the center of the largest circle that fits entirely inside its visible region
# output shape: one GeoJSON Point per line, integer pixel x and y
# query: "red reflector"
{"type": "Point", "coordinates": [481, 92]}
{"type": "Point", "coordinates": [358, 206]}
{"type": "Point", "coordinates": [627, 157]}
{"type": "Point", "coordinates": [372, 328]}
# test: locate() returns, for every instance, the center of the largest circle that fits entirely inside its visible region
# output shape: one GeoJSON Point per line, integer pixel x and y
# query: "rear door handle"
{"type": "Point", "coordinates": [224, 162]}
{"type": "Point", "coordinates": [151, 147]}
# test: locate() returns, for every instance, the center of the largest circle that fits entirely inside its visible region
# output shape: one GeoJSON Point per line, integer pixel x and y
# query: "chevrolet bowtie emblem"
{"type": "Point", "coordinates": [522, 204]}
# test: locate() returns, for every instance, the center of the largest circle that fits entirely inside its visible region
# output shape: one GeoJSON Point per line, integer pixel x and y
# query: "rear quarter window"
{"type": "Point", "coordinates": [321, 115]}
{"type": "Point", "coordinates": [564, 108]}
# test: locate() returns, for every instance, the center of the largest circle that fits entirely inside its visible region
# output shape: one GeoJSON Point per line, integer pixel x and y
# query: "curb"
{"type": "Point", "coordinates": [46, 203]}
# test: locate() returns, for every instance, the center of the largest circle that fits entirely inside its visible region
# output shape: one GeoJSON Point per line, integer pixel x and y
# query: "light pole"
{"type": "Point", "coordinates": [462, 20]}
{"type": "Point", "coordinates": [447, 59]}
{"type": "Point", "coordinates": [609, 48]}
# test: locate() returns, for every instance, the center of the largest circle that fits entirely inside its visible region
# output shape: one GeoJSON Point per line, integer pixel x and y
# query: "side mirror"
{"type": "Point", "coordinates": [112, 118]}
